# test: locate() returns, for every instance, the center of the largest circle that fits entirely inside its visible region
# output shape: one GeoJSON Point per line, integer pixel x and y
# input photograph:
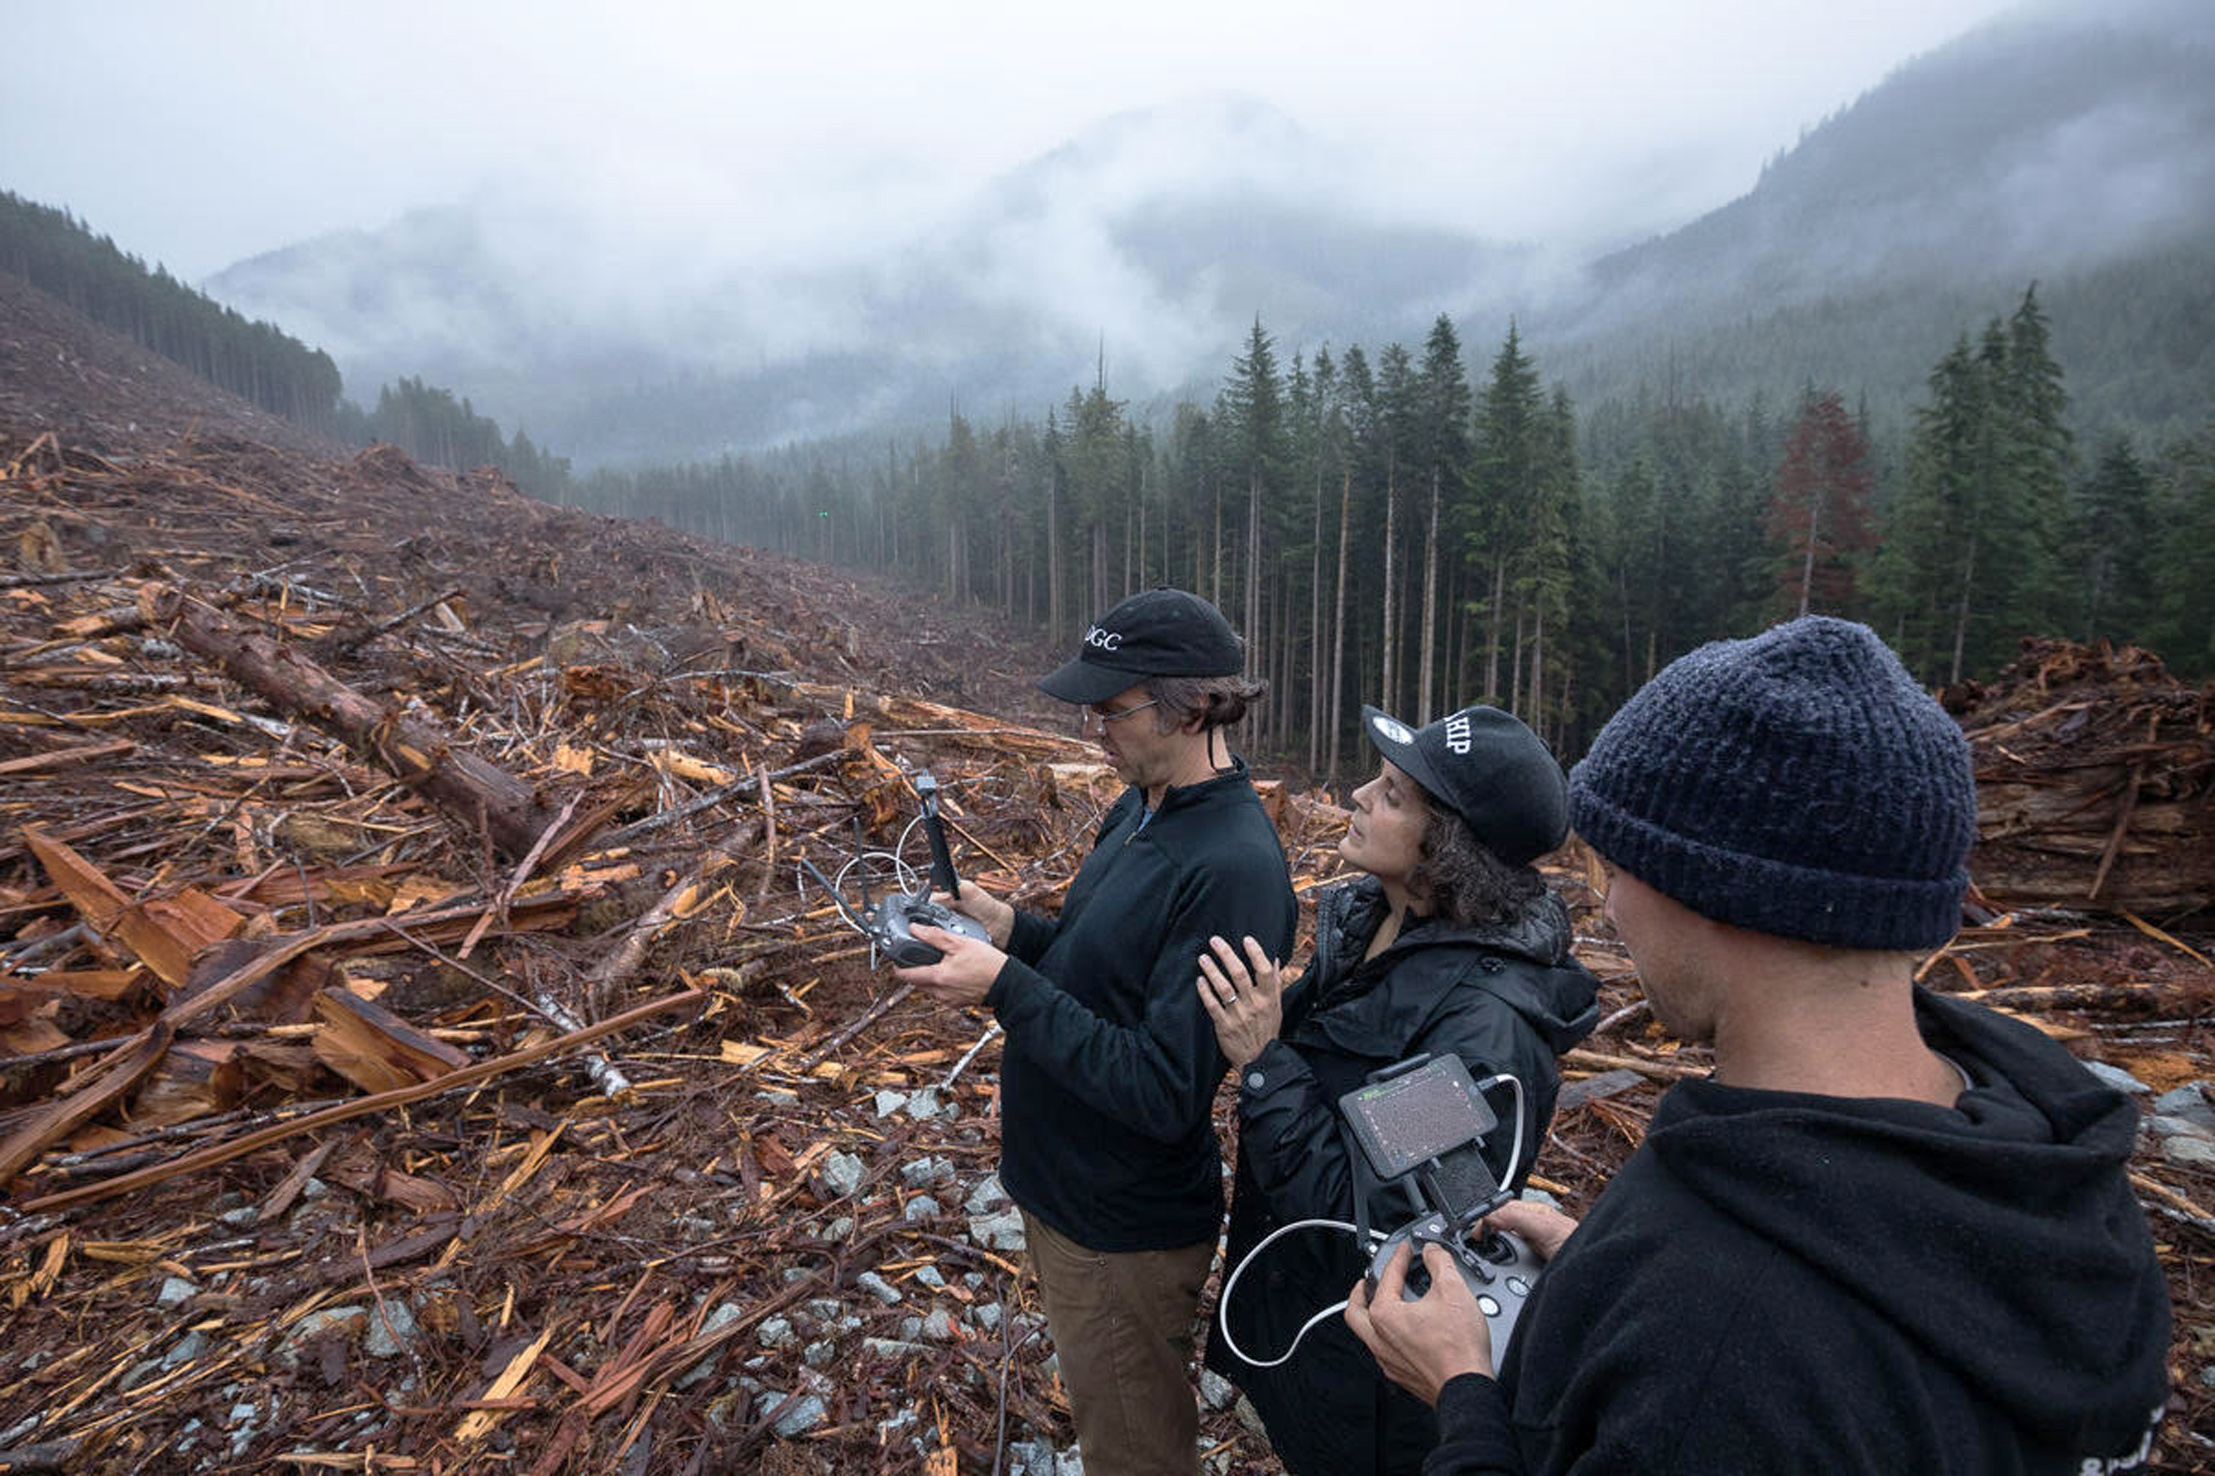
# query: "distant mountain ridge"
{"type": "Point", "coordinates": [2071, 148]}
{"type": "Point", "coordinates": [2069, 144]}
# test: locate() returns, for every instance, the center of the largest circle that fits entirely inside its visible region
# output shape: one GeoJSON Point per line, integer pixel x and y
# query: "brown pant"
{"type": "Point", "coordinates": [1122, 1328]}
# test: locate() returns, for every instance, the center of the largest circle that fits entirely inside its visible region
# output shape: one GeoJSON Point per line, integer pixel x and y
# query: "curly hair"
{"type": "Point", "coordinates": [1216, 701]}
{"type": "Point", "coordinates": [1464, 882]}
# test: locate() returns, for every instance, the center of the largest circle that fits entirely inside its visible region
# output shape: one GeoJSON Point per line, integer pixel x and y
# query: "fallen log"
{"type": "Point", "coordinates": [467, 1076]}
{"type": "Point", "coordinates": [468, 788]}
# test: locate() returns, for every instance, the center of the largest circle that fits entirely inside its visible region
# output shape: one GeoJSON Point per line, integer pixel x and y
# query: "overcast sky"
{"type": "Point", "coordinates": [200, 132]}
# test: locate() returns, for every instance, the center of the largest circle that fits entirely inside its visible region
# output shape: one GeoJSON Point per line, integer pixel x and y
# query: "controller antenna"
{"type": "Point", "coordinates": [861, 856]}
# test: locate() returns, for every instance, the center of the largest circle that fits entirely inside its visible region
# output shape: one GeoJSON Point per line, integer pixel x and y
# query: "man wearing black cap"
{"type": "Point", "coordinates": [1110, 1068]}
{"type": "Point", "coordinates": [1892, 1231]}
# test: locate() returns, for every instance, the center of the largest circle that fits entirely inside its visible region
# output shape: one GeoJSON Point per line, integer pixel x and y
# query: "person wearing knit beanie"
{"type": "Point", "coordinates": [1841, 1250]}
{"type": "Point", "coordinates": [1799, 783]}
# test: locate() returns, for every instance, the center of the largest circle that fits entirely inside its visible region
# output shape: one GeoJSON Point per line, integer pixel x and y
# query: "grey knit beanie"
{"type": "Point", "coordinates": [1798, 783]}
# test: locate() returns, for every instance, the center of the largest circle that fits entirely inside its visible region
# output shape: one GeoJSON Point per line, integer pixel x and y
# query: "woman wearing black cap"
{"type": "Point", "coordinates": [1449, 943]}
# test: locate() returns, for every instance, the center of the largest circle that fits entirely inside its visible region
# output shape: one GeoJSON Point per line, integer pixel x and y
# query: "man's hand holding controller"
{"type": "Point", "coordinates": [1422, 1344]}
{"type": "Point", "coordinates": [967, 968]}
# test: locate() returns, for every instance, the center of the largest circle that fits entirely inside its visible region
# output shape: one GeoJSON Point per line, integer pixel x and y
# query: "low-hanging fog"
{"type": "Point", "coordinates": [684, 228]}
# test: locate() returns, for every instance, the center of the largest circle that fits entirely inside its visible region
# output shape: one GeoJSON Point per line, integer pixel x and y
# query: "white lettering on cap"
{"type": "Point", "coordinates": [1457, 732]}
{"type": "Point", "coordinates": [1105, 640]}
{"type": "Point", "coordinates": [1396, 731]}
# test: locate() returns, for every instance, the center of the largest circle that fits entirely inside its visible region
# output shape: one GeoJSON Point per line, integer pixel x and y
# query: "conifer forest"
{"type": "Point", "coordinates": [1387, 526]}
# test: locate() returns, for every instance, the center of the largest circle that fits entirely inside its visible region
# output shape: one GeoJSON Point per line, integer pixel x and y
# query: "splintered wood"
{"type": "Point", "coordinates": [420, 1055]}
{"type": "Point", "coordinates": [2095, 781]}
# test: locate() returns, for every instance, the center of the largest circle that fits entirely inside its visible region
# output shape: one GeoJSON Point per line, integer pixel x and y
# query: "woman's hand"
{"type": "Point", "coordinates": [974, 901]}
{"type": "Point", "coordinates": [1244, 997]}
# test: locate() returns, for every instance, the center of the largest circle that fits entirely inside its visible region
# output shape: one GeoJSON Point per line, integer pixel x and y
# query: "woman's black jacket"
{"type": "Point", "coordinates": [1506, 998]}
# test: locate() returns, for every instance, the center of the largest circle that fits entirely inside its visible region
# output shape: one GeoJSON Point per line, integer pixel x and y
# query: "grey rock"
{"type": "Point", "coordinates": [884, 1291]}
{"type": "Point", "coordinates": [1215, 1390]}
{"type": "Point", "coordinates": [189, 1347]}
{"type": "Point", "coordinates": [2189, 1103]}
{"type": "Point", "coordinates": [723, 1316]}
{"type": "Point", "coordinates": [986, 1197]}
{"type": "Point", "coordinates": [314, 1189]}
{"type": "Point", "coordinates": [911, 1328]}
{"type": "Point", "coordinates": [929, 1276]}
{"type": "Point", "coordinates": [2175, 1127]}
{"type": "Point", "coordinates": [842, 1227]}
{"type": "Point", "coordinates": [175, 1289]}
{"type": "Point", "coordinates": [889, 1102]}
{"type": "Point", "coordinates": [893, 1350]}
{"type": "Point", "coordinates": [926, 1170]}
{"type": "Point", "coordinates": [801, 1416]}
{"type": "Point", "coordinates": [922, 1207]}
{"type": "Point", "coordinates": [923, 1106]}
{"type": "Point", "coordinates": [389, 1329]}
{"type": "Point", "coordinates": [819, 1354]}
{"type": "Point", "coordinates": [776, 1332]}
{"type": "Point", "coordinates": [240, 1219]}
{"type": "Point", "coordinates": [1068, 1463]}
{"type": "Point", "coordinates": [2116, 1077]}
{"type": "Point", "coordinates": [1000, 1232]}
{"type": "Point", "coordinates": [822, 1309]}
{"type": "Point", "coordinates": [843, 1173]}
{"type": "Point", "coordinates": [2189, 1149]}
{"type": "Point", "coordinates": [139, 1373]}
{"type": "Point", "coordinates": [903, 1420]}
{"type": "Point", "coordinates": [986, 1315]}
{"type": "Point", "coordinates": [939, 1326]}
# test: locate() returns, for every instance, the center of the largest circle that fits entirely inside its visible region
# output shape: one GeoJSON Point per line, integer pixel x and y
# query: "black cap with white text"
{"type": "Point", "coordinates": [1160, 632]}
{"type": "Point", "coordinates": [1489, 769]}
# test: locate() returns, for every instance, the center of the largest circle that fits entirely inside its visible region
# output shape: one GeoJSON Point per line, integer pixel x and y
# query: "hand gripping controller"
{"type": "Point", "coordinates": [1499, 1270]}
{"type": "Point", "coordinates": [897, 914]}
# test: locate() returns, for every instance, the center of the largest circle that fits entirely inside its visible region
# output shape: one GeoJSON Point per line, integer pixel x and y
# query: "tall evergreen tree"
{"type": "Point", "coordinates": [1510, 457]}
{"type": "Point", "coordinates": [1442, 391]}
{"type": "Point", "coordinates": [2112, 523]}
{"type": "Point", "coordinates": [1818, 514]}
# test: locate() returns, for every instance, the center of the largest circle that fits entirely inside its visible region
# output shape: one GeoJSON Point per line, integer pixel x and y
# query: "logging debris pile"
{"type": "Point", "coordinates": [2095, 781]}
{"type": "Point", "coordinates": [416, 1053]}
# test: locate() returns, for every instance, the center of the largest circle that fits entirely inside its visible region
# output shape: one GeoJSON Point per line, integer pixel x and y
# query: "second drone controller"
{"type": "Point", "coordinates": [896, 918]}
{"type": "Point", "coordinates": [1499, 1271]}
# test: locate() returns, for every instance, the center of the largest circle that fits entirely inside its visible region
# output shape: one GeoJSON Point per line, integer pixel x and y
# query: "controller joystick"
{"type": "Point", "coordinates": [897, 917]}
{"type": "Point", "coordinates": [1500, 1271]}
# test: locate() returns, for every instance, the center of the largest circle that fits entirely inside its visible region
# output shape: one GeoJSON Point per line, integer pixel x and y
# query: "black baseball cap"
{"type": "Point", "coordinates": [1489, 769]}
{"type": "Point", "coordinates": [1162, 632]}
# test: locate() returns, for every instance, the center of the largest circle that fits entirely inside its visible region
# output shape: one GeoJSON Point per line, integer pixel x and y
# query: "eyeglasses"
{"type": "Point", "coordinates": [1095, 718]}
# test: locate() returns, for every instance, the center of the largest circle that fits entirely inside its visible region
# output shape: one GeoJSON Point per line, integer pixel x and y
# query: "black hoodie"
{"type": "Point", "coordinates": [1786, 1282]}
{"type": "Point", "coordinates": [1503, 998]}
{"type": "Point", "coordinates": [1108, 1080]}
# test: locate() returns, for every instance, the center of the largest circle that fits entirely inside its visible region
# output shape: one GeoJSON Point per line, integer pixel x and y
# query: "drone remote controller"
{"type": "Point", "coordinates": [896, 917]}
{"type": "Point", "coordinates": [889, 925]}
{"type": "Point", "coordinates": [1499, 1271]}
